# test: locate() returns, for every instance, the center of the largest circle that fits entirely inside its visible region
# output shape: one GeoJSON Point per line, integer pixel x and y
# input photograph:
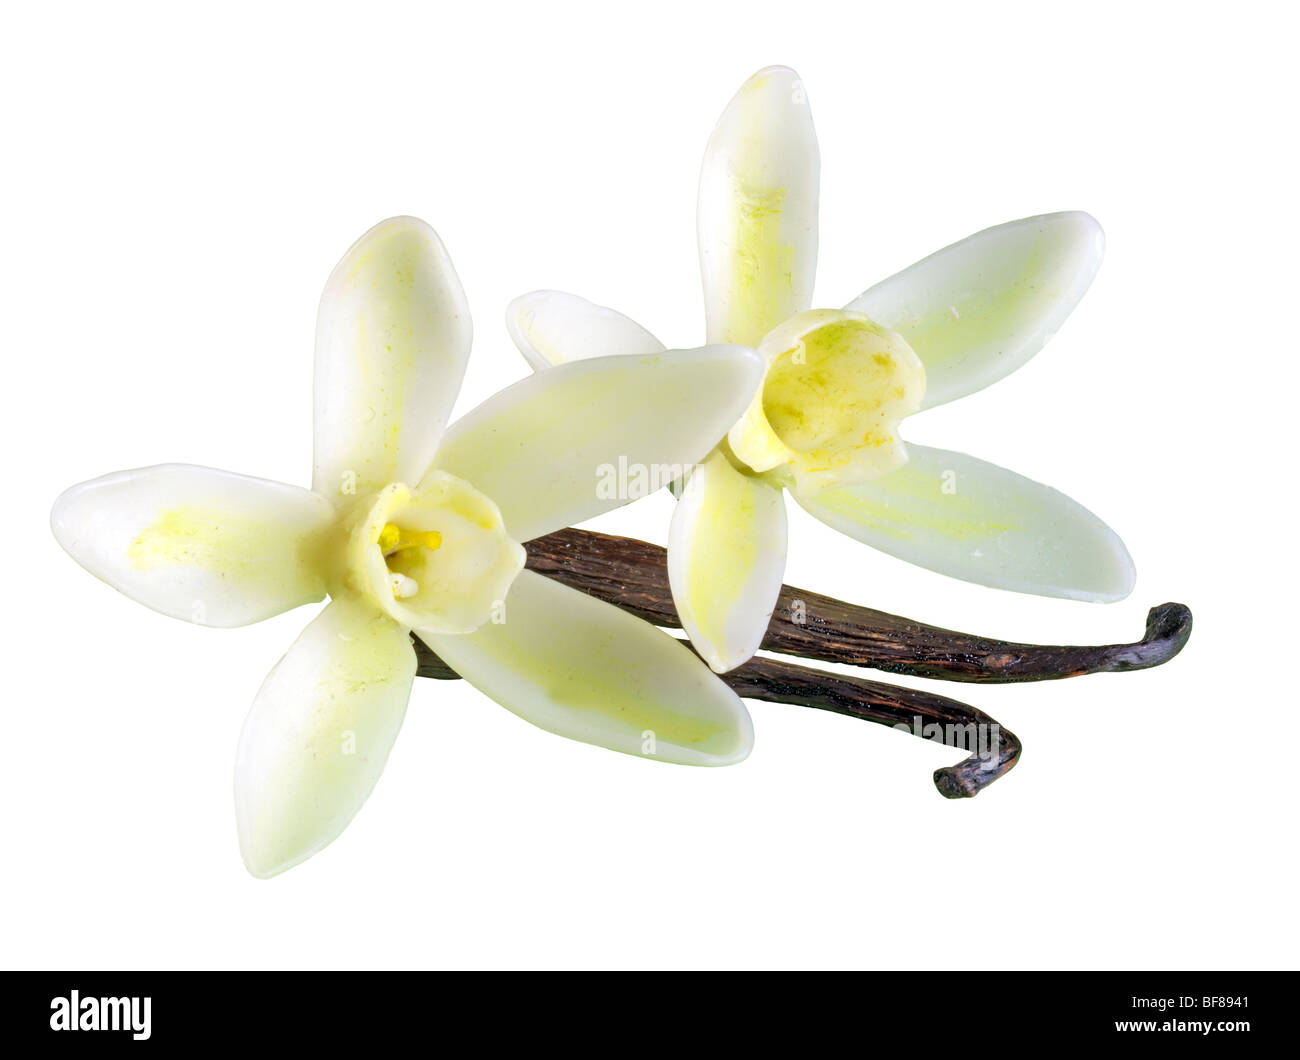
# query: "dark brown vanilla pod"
{"type": "Point", "coordinates": [633, 575]}
{"type": "Point", "coordinates": [992, 749]}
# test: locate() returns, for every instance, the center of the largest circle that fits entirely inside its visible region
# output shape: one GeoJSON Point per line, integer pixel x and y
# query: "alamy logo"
{"type": "Point", "coordinates": [76, 1013]}
{"type": "Point", "coordinates": [627, 481]}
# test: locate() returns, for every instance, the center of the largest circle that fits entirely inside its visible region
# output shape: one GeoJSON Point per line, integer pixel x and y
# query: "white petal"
{"type": "Point", "coordinates": [582, 438]}
{"type": "Point", "coordinates": [758, 209]}
{"type": "Point", "coordinates": [581, 668]}
{"type": "Point", "coordinates": [979, 522]}
{"type": "Point", "coordinates": [551, 327]}
{"type": "Point", "coordinates": [319, 734]}
{"type": "Point", "coordinates": [726, 559]}
{"type": "Point", "coordinates": [207, 546]}
{"type": "Point", "coordinates": [979, 309]}
{"type": "Point", "coordinates": [392, 339]}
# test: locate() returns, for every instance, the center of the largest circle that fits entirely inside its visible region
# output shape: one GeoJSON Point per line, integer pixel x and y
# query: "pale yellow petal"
{"type": "Point", "coordinates": [726, 560]}
{"type": "Point", "coordinates": [582, 668]}
{"type": "Point", "coordinates": [580, 439]}
{"type": "Point", "coordinates": [319, 733]}
{"type": "Point", "coordinates": [207, 546]}
{"type": "Point", "coordinates": [979, 522]}
{"type": "Point", "coordinates": [758, 209]}
{"type": "Point", "coordinates": [392, 340]}
{"type": "Point", "coordinates": [979, 309]}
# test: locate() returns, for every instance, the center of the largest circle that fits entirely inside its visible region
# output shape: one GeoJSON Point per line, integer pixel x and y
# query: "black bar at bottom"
{"type": "Point", "coordinates": [990, 1011]}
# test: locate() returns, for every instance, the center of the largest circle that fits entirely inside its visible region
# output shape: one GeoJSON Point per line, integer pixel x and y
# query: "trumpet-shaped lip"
{"type": "Point", "coordinates": [836, 387]}
{"type": "Point", "coordinates": [434, 557]}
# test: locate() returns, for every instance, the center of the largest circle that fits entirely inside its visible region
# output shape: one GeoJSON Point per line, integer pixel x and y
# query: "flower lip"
{"type": "Point", "coordinates": [835, 389]}
{"type": "Point", "coordinates": [435, 556]}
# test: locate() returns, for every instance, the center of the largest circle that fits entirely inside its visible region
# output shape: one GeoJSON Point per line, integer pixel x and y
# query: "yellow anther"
{"type": "Point", "coordinates": [393, 538]}
{"type": "Point", "coordinates": [430, 539]}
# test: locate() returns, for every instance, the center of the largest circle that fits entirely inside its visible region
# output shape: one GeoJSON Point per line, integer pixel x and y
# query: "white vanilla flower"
{"type": "Point", "coordinates": [824, 421]}
{"type": "Point", "coordinates": [414, 526]}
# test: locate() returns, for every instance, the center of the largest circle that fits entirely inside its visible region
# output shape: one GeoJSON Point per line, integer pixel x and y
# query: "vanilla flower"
{"type": "Point", "coordinates": [410, 527]}
{"type": "Point", "coordinates": [823, 422]}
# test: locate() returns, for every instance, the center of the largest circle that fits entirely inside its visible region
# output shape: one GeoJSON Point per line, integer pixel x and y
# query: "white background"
{"type": "Point", "coordinates": [177, 186]}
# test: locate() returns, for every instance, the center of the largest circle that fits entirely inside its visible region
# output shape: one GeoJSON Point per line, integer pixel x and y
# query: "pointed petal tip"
{"type": "Point", "coordinates": [741, 748]}
{"type": "Point", "coordinates": [521, 302]}
{"type": "Point", "coordinates": [768, 73]}
{"type": "Point", "coordinates": [59, 517]}
{"type": "Point", "coordinates": [1119, 581]}
{"type": "Point", "coordinates": [527, 300]}
{"type": "Point", "coordinates": [1085, 239]}
{"type": "Point", "coordinates": [744, 748]}
{"type": "Point", "coordinates": [66, 518]}
{"type": "Point", "coordinates": [388, 228]}
{"type": "Point", "coordinates": [1110, 574]}
{"type": "Point", "coordinates": [1088, 231]}
{"type": "Point", "coordinates": [261, 871]}
{"type": "Point", "coordinates": [399, 224]}
{"type": "Point", "coordinates": [720, 659]}
{"type": "Point", "coordinates": [69, 528]}
{"type": "Point", "coordinates": [1107, 575]}
{"type": "Point", "coordinates": [721, 662]}
{"type": "Point", "coordinates": [260, 861]}
{"type": "Point", "coordinates": [552, 327]}
{"type": "Point", "coordinates": [262, 864]}
{"type": "Point", "coordinates": [1084, 219]}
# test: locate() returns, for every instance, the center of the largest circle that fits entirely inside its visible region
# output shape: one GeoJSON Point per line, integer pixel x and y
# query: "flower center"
{"type": "Point", "coordinates": [434, 557]}
{"type": "Point", "coordinates": [836, 388]}
{"type": "Point", "coordinates": [393, 540]}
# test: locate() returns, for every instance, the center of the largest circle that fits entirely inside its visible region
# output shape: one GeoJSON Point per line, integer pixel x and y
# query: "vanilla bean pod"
{"type": "Point", "coordinates": [993, 749]}
{"type": "Point", "coordinates": [633, 575]}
